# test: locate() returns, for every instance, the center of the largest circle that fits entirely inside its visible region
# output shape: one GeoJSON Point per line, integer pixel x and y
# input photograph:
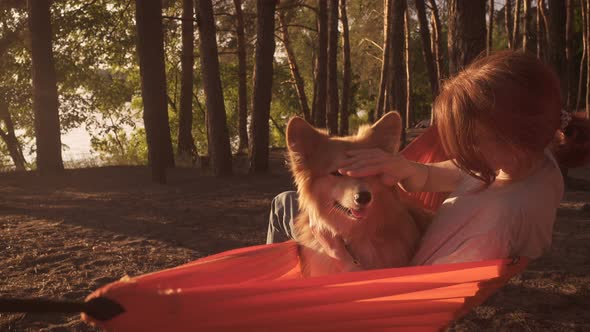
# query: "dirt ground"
{"type": "Point", "coordinates": [65, 236]}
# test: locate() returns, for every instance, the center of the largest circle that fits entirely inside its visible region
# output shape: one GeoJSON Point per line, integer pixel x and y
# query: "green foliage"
{"type": "Point", "coordinates": [99, 82]}
{"type": "Point", "coordinates": [5, 162]}
{"type": "Point", "coordinates": [122, 148]}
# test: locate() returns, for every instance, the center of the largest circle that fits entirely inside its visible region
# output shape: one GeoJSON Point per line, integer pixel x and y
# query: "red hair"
{"type": "Point", "coordinates": [510, 94]}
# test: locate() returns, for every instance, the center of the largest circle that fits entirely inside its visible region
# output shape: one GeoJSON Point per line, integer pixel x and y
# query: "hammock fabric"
{"type": "Point", "coordinates": [260, 288]}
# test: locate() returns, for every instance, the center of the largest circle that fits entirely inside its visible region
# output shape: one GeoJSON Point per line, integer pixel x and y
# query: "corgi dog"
{"type": "Point", "coordinates": [379, 228]}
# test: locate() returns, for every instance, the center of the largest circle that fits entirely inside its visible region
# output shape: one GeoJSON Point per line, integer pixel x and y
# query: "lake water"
{"type": "Point", "coordinates": [78, 145]}
{"type": "Point", "coordinates": [75, 146]}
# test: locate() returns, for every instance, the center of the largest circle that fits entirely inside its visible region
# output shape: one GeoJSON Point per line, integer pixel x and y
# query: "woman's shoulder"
{"type": "Point", "coordinates": [543, 188]}
{"type": "Point", "coordinates": [546, 185]}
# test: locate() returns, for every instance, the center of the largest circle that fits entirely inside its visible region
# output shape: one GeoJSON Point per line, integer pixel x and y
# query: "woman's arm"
{"type": "Point", "coordinates": [436, 177]}
{"type": "Point", "coordinates": [394, 168]}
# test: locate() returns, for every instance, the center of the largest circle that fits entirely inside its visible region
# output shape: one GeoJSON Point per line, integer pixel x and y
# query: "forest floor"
{"type": "Point", "coordinates": [65, 236]}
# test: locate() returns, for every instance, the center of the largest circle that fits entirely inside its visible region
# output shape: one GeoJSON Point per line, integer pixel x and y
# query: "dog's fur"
{"type": "Point", "coordinates": [382, 234]}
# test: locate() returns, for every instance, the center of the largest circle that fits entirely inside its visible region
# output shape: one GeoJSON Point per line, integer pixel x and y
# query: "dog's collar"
{"type": "Point", "coordinates": [354, 260]}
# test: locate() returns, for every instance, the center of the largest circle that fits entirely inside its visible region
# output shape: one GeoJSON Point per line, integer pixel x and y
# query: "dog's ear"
{"type": "Point", "coordinates": [301, 136]}
{"type": "Point", "coordinates": [386, 132]}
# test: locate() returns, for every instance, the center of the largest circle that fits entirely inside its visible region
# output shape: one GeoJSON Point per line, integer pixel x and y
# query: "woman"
{"type": "Point", "coordinates": [496, 119]}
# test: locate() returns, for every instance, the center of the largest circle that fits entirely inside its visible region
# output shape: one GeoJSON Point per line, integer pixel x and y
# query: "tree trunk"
{"type": "Point", "coordinates": [545, 29]}
{"type": "Point", "coordinates": [346, 71]}
{"type": "Point", "coordinates": [9, 138]}
{"type": "Point", "coordinates": [299, 84]}
{"type": "Point", "coordinates": [437, 41]}
{"type": "Point", "coordinates": [262, 91]}
{"type": "Point", "coordinates": [526, 27]}
{"type": "Point", "coordinates": [150, 49]}
{"type": "Point", "coordinates": [490, 38]}
{"type": "Point", "coordinates": [557, 20]}
{"type": "Point", "coordinates": [426, 47]}
{"type": "Point", "coordinates": [508, 22]}
{"type": "Point", "coordinates": [584, 53]}
{"type": "Point", "coordinates": [397, 98]}
{"type": "Point", "coordinates": [587, 10]}
{"type": "Point", "coordinates": [467, 32]}
{"type": "Point", "coordinates": [569, 56]}
{"type": "Point", "coordinates": [242, 77]}
{"type": "Point", "coordinates": [516, 24]}
{"type": "Point", "coordinates": [381, 100]}
{"type": "Point", "coordinates": [333, 67]}
{"type": "Point", "coordinates": [539, 30]}
{"type": "Point", "coordinates": [217, 132]}
{"type": "Point", "coordinates": [186, 144]}
{"type": "Point", "coordinates": [45, 99]}
{"type": "Point", "coordinates": [409, 105]}
{"type": "Point", "coordinates": [322, 66]}
{"type": "Point", "coordinates": [314, 102]}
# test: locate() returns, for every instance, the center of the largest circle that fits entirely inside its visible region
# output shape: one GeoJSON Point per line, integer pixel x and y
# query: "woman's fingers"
{"type": "Point", "coordinates": [365, 152]}
{"type": "Point", "coordinates": [389, 180]}
{"type": "Point", "coordinates": [365, 171]}
{"type": "Point", "coordinates": [363, 156]}
{"type": "Point", "coordinates": [369, 162]}
{"type": "Point", "coordinates": [369, 168]}
{"type": "Point", "coordinates": [348, 162]}
{"type": "Point", "coordinates": [364, 164]}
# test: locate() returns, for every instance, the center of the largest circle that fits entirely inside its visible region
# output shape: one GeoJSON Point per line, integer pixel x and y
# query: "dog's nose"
{"type": "Point", "coordinates": [362, 198]}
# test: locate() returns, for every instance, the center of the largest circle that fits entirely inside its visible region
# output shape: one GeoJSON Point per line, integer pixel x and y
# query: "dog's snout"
{"type": "Point", "coordinates": [362, 198]}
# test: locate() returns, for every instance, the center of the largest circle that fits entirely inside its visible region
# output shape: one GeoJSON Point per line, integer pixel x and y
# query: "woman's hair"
{"type": "Point", "coordinates": [512, 95]}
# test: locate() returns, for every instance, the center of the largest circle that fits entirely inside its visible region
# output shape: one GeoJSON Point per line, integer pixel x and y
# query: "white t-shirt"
{"type": "Point", "coordinates": [515, 219]}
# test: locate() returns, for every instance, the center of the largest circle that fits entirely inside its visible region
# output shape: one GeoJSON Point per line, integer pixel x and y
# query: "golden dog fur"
{"type": "Point", "coordinates": [381, 234]}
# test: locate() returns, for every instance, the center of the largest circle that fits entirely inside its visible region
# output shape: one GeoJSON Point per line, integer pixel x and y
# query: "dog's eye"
{"type": "Point", "coordinates": [336, 173]}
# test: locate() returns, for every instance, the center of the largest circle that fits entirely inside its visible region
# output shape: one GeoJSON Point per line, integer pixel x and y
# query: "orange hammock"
{"type": "Point", "coordinates": [260, 288]}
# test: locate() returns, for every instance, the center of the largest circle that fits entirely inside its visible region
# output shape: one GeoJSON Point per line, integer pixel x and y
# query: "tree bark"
{"type": "Point", "coordinates": [409, 105]}
{"type": "Point", "coordinates": [526, 44]}
{"type": "Point", "coordinates": [217, 132]}
{"type": "Point", "coordinates": [333, 98]}
{"type": "Point", "coordinates": [584, 53]}
{"type": "Point", "coordinates": [9, 138]}
{"type": "Point", "coordinates": [262, 91]}
{"type": "Point", "coordinates": [539, 30]}
{"type": "Point", "coordinates": [516, 24]}
{"type": "Point", "coordinates": [186, 144]}
{"type": "Point", "coordinates": [242, 77]}
{"type": "Point", "coordinates": [569, 56]}
{"type": "Point", "coordinates": [314, 102]}
{"type": "Point", "coordinates": [381, 100]}
{"type": "Point", "coordinates": [322, 66]}
{"type": "Point", "coordinates": [587, 104]}
{"type": "Point", "coordinates": [426, 47]}
{"type": "Point", "coordinates": [346, 71]}
{"type": "Point", "coordinates": [45, 98]}
{"type": "Point", "coordinates": [150, 49]}
{"type": "Point", "coordinates": [557, 15]}
{"type": "Point", "coordinates": [508, 22]}
{"type": "Point", "coordinates": [490, 37]}
{"type": "Point", "coordinates": [437, 41]}
{"type": "Point", "coordinates": [467, 32]}
{"type": "Point", "coordinates": [397, 98]}
{"type": "Point", "coordinates": [545, 28]}
{"type": "Point", "coordinates": [295, 74]}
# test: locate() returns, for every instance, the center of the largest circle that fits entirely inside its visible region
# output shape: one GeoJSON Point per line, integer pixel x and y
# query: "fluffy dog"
{"type": "Point", "coordinates": [379, 228]}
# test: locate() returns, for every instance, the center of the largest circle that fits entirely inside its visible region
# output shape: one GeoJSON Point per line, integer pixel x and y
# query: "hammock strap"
{"type": "Point", "coordinates": [100, 308]}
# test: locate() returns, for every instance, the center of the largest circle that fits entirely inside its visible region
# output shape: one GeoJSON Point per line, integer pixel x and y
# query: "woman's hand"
{"type": "Point", "coordinates": [393, 168]}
